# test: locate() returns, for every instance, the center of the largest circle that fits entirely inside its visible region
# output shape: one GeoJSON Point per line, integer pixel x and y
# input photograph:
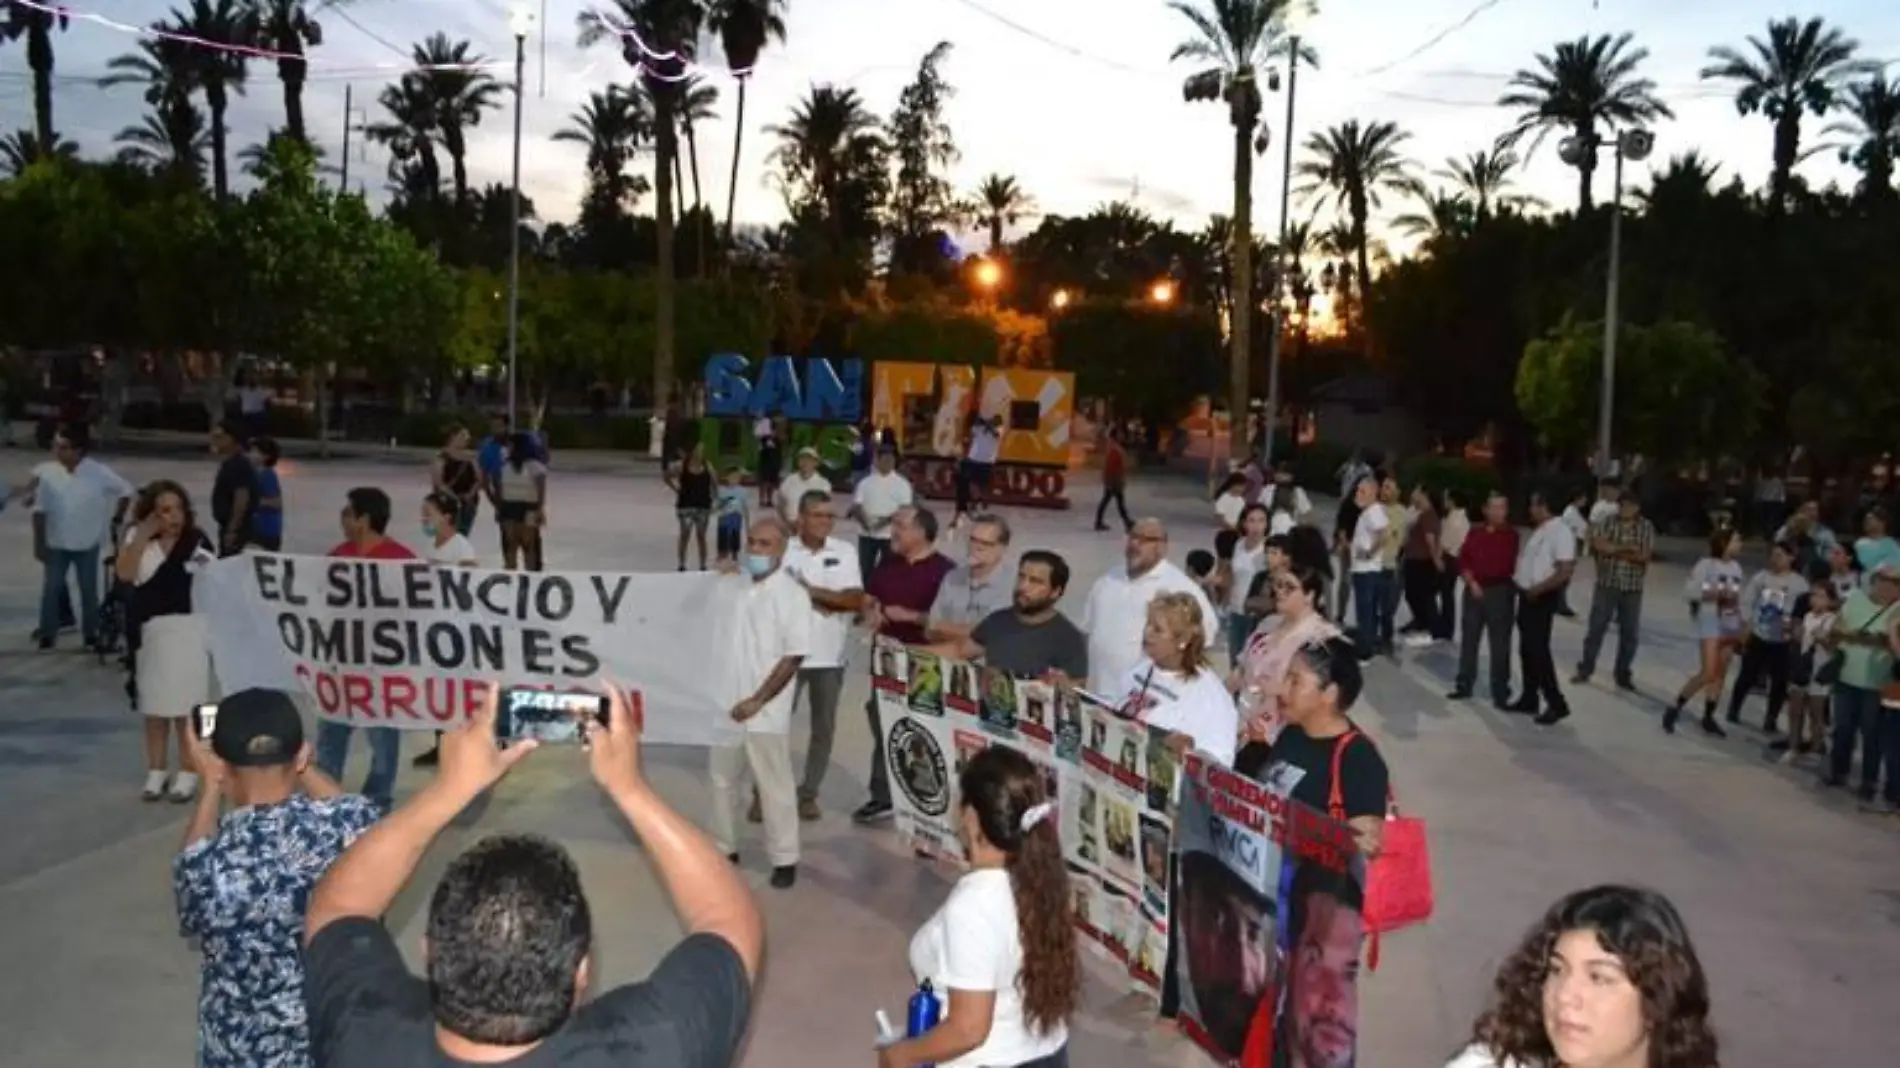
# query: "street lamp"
{"type": "Point", "coordinates": [1059, 300]}
{"type": "Point", "coordinates": [1162, 292]}
{"type": "Point", "coordinates": [1635, 146]}
{"type": "Point", "coordinates": [520, 21]}
{"type": "Point", "coordinates": [1294, 19]}
{"type": "Point", "coordinates": [988, 274]}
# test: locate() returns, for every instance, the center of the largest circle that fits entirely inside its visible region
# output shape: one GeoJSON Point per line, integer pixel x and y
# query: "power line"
{"type": "Point", "coordinates": [1434, 40]}
{"type": "Point", "coordinates": [344, 14]}
{"type": "Point", "coordinates": [1061, 46]}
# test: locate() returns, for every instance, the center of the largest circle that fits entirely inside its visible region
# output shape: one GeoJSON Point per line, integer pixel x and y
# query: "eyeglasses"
{"type": "Point", "coordinates": [986, 543]}
{"type": "Point", "coordinates": [1147, 539]}
{"type": "Point", "coordinates": [1286, 587]}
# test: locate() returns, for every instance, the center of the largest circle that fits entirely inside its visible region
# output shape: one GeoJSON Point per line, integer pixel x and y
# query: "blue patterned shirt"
{"type": "Point", "coordinates": [242, 893]}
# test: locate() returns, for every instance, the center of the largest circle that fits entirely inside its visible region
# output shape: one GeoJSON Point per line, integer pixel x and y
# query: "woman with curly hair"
{"type": "Point", "coordinates": [171, 665]}
{"type": "Point", "coordinates": [1607, 979]}
{"type": "Point", "coordinates": [1001, 950]}
{"type": "Point", "coordinates": [1174, 687]}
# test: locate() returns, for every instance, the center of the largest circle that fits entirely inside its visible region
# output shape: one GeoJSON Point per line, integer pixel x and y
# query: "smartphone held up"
{"type": "Point", "coordinates": [550, 717]}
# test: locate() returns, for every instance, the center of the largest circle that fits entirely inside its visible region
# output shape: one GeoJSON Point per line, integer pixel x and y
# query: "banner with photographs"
{"type": "Point", "coordinates": [1289, 880]}
{"type": "Point", "coordinates": [1113, 779]}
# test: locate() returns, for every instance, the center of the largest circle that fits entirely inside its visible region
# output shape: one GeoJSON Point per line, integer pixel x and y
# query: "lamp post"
{"type": "Point", "coordinates": [520, 21]}
{"type": "Point", "coordinates": [1162, 292]}
{"type": "Point", "coordinates": [1635, 146]}
{"type": "Point", "coordinates": [1297, 15]}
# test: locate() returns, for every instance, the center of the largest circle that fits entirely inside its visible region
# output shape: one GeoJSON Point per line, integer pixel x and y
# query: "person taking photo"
{"type": "Point", "coordinates": [510, 934]}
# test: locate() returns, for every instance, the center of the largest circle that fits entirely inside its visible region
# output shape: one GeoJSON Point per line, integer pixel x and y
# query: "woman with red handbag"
{"type": "Point", "coordinates": [1320, 759]}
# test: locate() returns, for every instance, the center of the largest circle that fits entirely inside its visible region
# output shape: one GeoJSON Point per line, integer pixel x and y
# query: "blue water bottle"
{"type": "Point", "coordinates": [925, 1010]}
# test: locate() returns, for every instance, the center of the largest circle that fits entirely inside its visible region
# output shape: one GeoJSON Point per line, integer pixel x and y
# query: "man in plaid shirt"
{"type": "Point", "coordinates": [1623, 545]}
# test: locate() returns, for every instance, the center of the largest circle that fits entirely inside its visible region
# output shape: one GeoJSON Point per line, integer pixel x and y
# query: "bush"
{"type": "Point", "coordinates": [628, 433]}
{"type": "Point", "coordinates": [1316, 466]}
{"type": "Point", "coordinates": [431, 429]}
{"type": "Point", "coordinates": [1438, 473]}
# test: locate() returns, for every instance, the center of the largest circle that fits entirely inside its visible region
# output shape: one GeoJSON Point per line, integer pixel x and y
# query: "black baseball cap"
{"type": "Point", "coordinates": [257, 729]}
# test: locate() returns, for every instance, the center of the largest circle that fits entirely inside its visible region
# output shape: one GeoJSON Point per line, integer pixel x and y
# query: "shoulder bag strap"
{"type": "Point", "coordinates": [1335, 800]}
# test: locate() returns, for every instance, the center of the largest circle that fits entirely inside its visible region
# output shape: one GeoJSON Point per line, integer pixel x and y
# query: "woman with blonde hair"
{"type": "Point", "coordinates": [171, 665]}
{"type": "Point", "coordinates": [1259, 680]}
{"type": "Point", "coordinates": [1175, 688]}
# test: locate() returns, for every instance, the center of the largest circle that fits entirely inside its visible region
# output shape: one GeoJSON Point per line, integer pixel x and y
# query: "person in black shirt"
{"type": "Point", "coordinates": [1348, 521]}
{"type": "Point", "coordinates": [510, 935]}
{"type": "Point", "coordinates": [1319, 743]}
{"type": "Point", "coordinates": [234, 494]}
{"type": "Point", "coordinates": [1031, 639]}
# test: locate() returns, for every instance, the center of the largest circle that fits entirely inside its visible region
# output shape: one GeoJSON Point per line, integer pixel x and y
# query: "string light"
{"type": "Point", "coordinates": [250, 51]}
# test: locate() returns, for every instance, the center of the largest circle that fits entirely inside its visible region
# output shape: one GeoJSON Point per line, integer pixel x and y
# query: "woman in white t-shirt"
{"type": "Point", "coordinates": [1248, 559]}
{"type": "Point", "coordinates": [1175, 688]}
{"type": "Point", "coordinates": [445, 545]}
{"type": "Point", "coordinates": [1001, 949]}
{"type": "Point", "coordinates": [1231, 501]}
{"type": "Point", "coordinates": [521, 503]}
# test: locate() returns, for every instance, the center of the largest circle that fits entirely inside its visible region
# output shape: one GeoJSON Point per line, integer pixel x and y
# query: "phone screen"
{"type": "Point", "coordinates": [548, 716]}
{"type": "Point", "coordinates": [204, 720]}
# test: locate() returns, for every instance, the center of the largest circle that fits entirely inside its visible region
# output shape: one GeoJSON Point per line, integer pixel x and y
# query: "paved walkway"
{"type": "Point", "coordinates": [1793, 897]}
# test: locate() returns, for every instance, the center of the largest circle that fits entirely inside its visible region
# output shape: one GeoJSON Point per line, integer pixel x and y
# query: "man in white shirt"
{"type": "Point", "coordinates": [827, 569]}
{"type": "Point", "coordinates": [805, 479]}
{"type": "Point", "coordinates": [979, 460]}
{"type": "Point", "coordinates": [1544, 566]}
{"type": "Point", "coordinates": [1283, 483]}
{"type": "Point", "coordinates": [75, 501]}
{"type": "Point", "coordinates": [767, 643]}
{"type": "Point", "coordinates": [1367, 551]}
{"type": "Point", "coordinates": [878, 498]}
{"type": "Point", "coordinates": [1117, 608]}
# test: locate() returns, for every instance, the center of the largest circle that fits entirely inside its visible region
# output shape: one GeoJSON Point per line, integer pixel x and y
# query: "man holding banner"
{"type": "Point", "coordinates": [768, 641]}
{"type": "Point", "coordinates": [365, 518]}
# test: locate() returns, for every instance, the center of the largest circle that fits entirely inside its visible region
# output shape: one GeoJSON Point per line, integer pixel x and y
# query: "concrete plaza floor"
{"type": "Point", "coordinates": [1794, 898]}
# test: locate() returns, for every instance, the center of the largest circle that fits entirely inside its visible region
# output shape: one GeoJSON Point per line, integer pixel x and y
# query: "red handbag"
{"type": "Point", "coordinates": [1399, 877]}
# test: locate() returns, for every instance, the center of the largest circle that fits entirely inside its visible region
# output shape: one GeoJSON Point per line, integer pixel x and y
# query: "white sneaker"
{"type": "Point", "coordinates": [154, 785]}
{"type": "Point", "coordinates": [184, 787]}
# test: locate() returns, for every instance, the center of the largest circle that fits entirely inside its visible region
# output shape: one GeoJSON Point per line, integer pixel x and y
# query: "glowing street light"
{"type": "Point", "coordinates": [1162, 292]}
{"type": "Point", "coordinates": [1059, 299]}
{"type": "Point", "coordinates": [988, 274]}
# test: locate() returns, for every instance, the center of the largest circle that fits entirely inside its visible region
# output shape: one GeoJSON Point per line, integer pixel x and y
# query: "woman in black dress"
{"type": "Point", "coordinates": [455, 473]}
{"type": "Point", "coordinates": [692, 486]}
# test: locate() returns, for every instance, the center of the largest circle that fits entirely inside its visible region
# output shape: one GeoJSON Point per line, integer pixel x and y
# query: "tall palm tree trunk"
{"type": "Point", "coordinates": [666, 157]}
{"type": "Point", "coordinates": [699, 229]}
{"type": "Point", "coordinates": [1586, 173]}
{"type": "Point", "coordinates": [1241, 299]}
{"type": "Point", "coordinates": [1787, 149]}
{"type": "Point", "coordinates": [220, 180]}
{"type": "Point", "coordinates": [996, 230]}
{"type": "Point", "coordinates": [679, 179]}
{"type": "Point", "coordinates": [39, 56]}
{"type": "Point", "coordinates": [738, 140]}
{"type": "Point", "coordinates": [291, 72]}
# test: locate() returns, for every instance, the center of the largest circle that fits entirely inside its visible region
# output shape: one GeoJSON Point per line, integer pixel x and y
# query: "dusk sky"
{"type": "Point", "coordinates": [1077, 100]}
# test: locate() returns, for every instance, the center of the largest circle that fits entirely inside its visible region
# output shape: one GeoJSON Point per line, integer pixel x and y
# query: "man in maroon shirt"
{"type": "Point", "coordinates": [1487, 562]}
{"type": "Point", "coordinates": [365, 518]}
{"type": "Point", "coordinates": [897, 604]}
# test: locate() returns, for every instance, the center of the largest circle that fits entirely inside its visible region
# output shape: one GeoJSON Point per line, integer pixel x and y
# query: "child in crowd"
{"type": "Point", "coordinates": [1200, 568]}
{"type": "Point", "coordinates": [734, 514]}
{"type": "Point", "coordinates": [1812, 677]}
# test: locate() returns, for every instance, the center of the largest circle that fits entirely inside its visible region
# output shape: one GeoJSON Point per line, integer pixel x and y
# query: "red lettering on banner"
{"type": "Point", "coordinates": [1243, 814]}
{"type": "Point", "coordinates": [357, 691]}
{"type": "Point", "coordinates": [341, 695]}
{"type": "Point", "coordinates": [935, 477]}
{"type": "Point", "coordinates": [399, 695]}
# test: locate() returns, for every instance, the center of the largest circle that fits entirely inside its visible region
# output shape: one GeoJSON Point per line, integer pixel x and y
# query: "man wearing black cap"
{"type": "Point", "coordinates": [242, 881]}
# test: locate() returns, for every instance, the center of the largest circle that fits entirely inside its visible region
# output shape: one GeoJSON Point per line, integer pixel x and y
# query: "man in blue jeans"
{"type": "Point", "coordinates": [365, 518]}
{"type": "Point", "coordinates": [75, 500]}
{"type": "Point", "coordinates": [1863, 632]}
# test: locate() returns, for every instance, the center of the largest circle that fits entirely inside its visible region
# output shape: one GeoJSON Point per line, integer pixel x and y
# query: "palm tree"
{"type": "Point", "coordinates": [1799, 69]}
{"type": "Point", "coordinates": [171, 139]}
{"type": "Point", "coordinates": [1442, 217]}
{"type": "Point", "coordinates": [699, 102]}
{"type": "Point", "coordinates": [412, 134]}
{"type": "Point", "coordinates": [1352, 166]}
{"type": "Point", "coordinates": [828, 132]}
{"type": "Point", "coordinates": [217, 72]}
{"type": "Point", "coordinates": [612, 126]}
{"type": "Point", "coordinates": [1484, 179]}
{"type": "Point", "coordinates": [1685, 179]}
{"type": "Point", "coordinates": [1872, 127]}
{"type": "Point", "coordinates": [37, 26]}
{"type": "Point", "coordinates": [669, 28]}
{"type": "Point", "coordinates": [289, 26]}
{"type": "Point", "coordinates": [458, 93]}
{"type": "Point", "coordinates": [744, 27]}
{"type": "Point", "coordinates": [23, 148]}
{"type": "Point", "coordinates": [1238, 38]}
{"type": "Point", "coordinates": [259, 158]}
{"type": "Point", "coordinates": [1583, 86]}
{"type": "Point", "coordinates": [1001, 202]}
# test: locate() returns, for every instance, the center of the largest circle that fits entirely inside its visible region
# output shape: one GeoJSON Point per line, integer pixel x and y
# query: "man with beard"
{"type": "Point", "coordinates": [1319, 1020]}
{"type": "Point", "coordinates": [1030, 639]}
{"type": "Point", "coordinates": [1225, 946]}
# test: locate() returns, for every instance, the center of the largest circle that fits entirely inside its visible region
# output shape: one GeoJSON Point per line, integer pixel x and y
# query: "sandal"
{"type": "Point", "coordinates": [184, 787]}
{"type": "Point", "coordinates": [154, 786]}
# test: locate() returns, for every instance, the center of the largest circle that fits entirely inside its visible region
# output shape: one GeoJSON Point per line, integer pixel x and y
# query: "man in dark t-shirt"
{"type": "Point", "coordinates": [1031, 639]}
{"type": "Point", "coordinates": [897, 602]}
{"type": "Point", "coordinates": [234, 493]}
{"type": "Point", "coordinates": [510, 935]}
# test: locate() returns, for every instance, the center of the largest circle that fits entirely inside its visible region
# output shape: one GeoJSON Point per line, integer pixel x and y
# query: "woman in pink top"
{"type": "Point", "coordinates": [1260, 677]}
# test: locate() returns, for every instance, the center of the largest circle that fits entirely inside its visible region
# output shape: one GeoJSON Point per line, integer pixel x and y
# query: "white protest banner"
{"type": "Point", "coordinates": [412, 645]}
{"type": "Point", "coordinates": [1113, 781]}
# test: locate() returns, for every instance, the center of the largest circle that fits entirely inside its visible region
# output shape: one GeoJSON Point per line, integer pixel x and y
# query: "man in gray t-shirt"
{"type": "Point", "coordinates": [1031, 638]}
{"type": "Point", "coordinates": [977, 588]}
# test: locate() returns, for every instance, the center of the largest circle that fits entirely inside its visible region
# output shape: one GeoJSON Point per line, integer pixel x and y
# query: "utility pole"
{"type": "Point", "coordinates": [348, 89]}
{"type": "Point", "coordinates": [1276, 320]}
{"type": "Point", "coordinates": [520, 22]}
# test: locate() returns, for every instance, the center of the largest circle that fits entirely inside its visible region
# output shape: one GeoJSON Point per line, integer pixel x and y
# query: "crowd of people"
{"type": "Point", "coordinates": [286, 890]}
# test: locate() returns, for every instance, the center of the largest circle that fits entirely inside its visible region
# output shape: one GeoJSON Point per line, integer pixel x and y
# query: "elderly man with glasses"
{"type": "Point", "coordinates": [1117, 608]}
